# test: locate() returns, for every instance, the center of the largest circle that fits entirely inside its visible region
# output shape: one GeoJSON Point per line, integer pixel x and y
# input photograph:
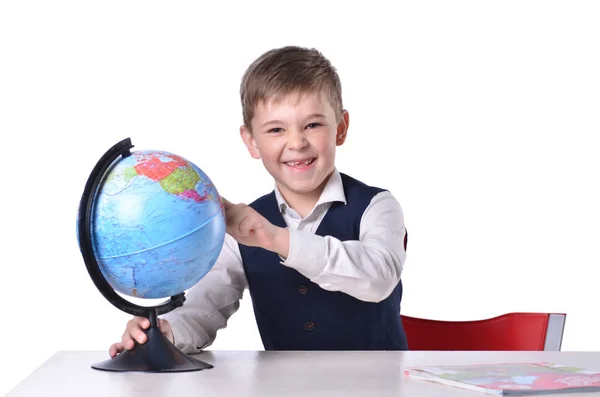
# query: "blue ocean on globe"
{"type": "Point", "coordinates": [158, 225]}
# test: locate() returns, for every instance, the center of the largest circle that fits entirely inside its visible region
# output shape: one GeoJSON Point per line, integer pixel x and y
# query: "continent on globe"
{"type": "Point", "coordinates": [175, 176]}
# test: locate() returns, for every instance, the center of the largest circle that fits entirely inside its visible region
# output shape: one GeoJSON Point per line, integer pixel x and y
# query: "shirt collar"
{"type": "Point", "coordinates": [332, 192]}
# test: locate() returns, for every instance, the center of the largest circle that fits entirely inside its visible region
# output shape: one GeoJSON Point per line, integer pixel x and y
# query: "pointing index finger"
{"type": "Point", "coordinates": [226, 203]}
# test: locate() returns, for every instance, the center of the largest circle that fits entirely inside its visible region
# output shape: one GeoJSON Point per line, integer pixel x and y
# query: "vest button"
{"type": "Point", "coordinates": [303, 289]}
{"type": "Point", "coordinates": [309, 326]}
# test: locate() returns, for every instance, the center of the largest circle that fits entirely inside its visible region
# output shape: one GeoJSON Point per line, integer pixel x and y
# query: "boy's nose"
{"type": "Point", "coordinates": [297, 140]}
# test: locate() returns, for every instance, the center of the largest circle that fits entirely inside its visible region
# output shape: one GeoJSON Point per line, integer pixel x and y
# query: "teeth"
{"type": "Point", "coordinates": [295, 163]}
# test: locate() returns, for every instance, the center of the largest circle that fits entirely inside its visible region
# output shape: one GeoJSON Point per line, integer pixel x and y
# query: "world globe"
{"type": "Point", "coordinates": [151, 224]}
{"type": "Point", "coordinates": [158, 225]}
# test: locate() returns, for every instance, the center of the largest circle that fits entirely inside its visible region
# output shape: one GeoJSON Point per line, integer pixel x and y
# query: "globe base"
{"type": "Point", "coordinates": [157, 354]}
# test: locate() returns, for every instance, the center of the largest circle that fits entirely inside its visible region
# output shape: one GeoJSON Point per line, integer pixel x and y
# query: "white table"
{"type": "Point", "coordinates": [264, 374]}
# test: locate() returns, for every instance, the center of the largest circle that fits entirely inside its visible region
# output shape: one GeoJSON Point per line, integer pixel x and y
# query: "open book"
{"type": "Point", "coordinates": [511, 379]}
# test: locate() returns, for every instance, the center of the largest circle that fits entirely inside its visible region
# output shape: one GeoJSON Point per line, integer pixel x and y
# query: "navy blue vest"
{"type": "Point", "coordinates": [293, 313]}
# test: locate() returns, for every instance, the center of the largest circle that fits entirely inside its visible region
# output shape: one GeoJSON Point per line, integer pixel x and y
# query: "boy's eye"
{"type": "Point", "coordinates": [276, 129]}
{"type": "Point", "coordinates": [313, 125]}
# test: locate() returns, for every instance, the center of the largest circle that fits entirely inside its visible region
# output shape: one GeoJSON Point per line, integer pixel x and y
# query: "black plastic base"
{"type": "Point", "coordinates": [156, 355]}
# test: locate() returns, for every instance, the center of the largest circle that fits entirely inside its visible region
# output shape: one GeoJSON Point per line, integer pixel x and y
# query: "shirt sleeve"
{"type": "Point", "coordinates": [368, 268]}
{"type": "Point", "coordinates": [210, 302]}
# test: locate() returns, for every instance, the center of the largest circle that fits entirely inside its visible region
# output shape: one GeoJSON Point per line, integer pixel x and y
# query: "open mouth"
{"type": "Point", "coordinates": [299, 164]}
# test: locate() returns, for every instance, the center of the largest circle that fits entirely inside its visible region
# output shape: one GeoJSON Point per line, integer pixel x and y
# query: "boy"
{"type": "Point", "coordinates": [322, 253]}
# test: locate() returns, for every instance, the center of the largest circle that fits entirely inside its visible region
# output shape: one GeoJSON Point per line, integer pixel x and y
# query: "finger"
{"type": "Point", "coordinates": [115, 349]}
{"type": "Point", "coordinates": [226, 203]}
{"type": "Point", "coordinates": [164, 325]}
{"type": "Point", "coordinates": [247, 226]}
{"type": "Point", "coordinates": [135, 329]}
{"type": "Point", "coordinates": [127, 342]}
{"type": "Point", "coordinates": [130, 336]}
{"type": "Point", "coordinates": [230, 212]}
{"type": "Point", "coordinates": [234, 216]}
{"type": "Point", "coordinates": [143, 322]}
{"type": "Point", "coordinates": [235, 225]}
{"type": "Point", "coordinates": [139, 335]}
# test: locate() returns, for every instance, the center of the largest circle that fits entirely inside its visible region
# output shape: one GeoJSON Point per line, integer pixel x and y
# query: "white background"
{"type": "Point", "coordinates": [482, 118]}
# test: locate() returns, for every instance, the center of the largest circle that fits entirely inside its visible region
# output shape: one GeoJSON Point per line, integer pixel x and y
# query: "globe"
{"type": "Point", "coordinates": [157, 224]}
{"type": "Point", "coordinates": [150, 224]}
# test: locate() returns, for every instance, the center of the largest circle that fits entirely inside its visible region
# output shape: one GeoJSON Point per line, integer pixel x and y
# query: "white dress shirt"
{"type": "Point", "coordinates": [368, 268]}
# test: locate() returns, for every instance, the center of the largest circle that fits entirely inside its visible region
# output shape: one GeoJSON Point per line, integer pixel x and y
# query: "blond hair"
{"type": "Point", "coordinates": [287, 70]}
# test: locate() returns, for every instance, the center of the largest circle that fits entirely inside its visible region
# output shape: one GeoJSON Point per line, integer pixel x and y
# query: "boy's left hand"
{"type": "Point", "coordinates": [250, 228]}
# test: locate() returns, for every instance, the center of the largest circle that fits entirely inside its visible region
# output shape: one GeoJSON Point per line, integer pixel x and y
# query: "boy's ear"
{"type": "Point", "coordinates": [249, 141]}
{"type": "Point", "coordinates": [342, 128]}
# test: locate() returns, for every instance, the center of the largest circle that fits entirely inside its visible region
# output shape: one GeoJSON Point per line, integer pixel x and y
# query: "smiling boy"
{"type": "Point", "coordinates": [322, 254]}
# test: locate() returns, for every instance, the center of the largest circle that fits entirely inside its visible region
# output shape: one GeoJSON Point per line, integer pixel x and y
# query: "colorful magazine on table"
{"type": "Point", "coordinates": [511, 379]}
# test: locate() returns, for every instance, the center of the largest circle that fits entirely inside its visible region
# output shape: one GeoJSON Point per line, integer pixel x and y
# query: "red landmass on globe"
{"type": "Point", "coordinates": [156, 169]}
{"type": "Point", "coordinates": [194, 195]}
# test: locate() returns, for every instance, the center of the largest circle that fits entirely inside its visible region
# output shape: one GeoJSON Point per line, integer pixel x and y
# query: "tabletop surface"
{"type": "Point", "coordinates": [275, 373]}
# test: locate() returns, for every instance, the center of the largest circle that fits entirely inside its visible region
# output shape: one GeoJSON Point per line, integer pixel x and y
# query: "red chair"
{"type": "Point", "coordinates": [512, 331]}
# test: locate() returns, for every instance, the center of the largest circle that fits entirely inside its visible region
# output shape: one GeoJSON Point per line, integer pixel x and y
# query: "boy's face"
{"type": "Point", "coordinates": [296, 139]}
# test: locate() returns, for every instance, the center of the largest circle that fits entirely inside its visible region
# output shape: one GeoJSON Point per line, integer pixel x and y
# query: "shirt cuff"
{"type": "Point", "coordinates": [307, 254]}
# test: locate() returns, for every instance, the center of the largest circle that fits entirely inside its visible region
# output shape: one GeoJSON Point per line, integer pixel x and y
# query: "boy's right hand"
{"type": "Point", "coordinates": [135, 330]}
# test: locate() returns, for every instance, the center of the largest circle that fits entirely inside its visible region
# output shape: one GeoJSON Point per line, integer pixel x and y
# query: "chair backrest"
{"type": "Point", "coordinates": [511, 331]}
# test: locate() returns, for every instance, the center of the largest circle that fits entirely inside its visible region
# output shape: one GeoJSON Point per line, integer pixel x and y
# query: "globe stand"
{"type": "Point", "coordinates": [157, 354]}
